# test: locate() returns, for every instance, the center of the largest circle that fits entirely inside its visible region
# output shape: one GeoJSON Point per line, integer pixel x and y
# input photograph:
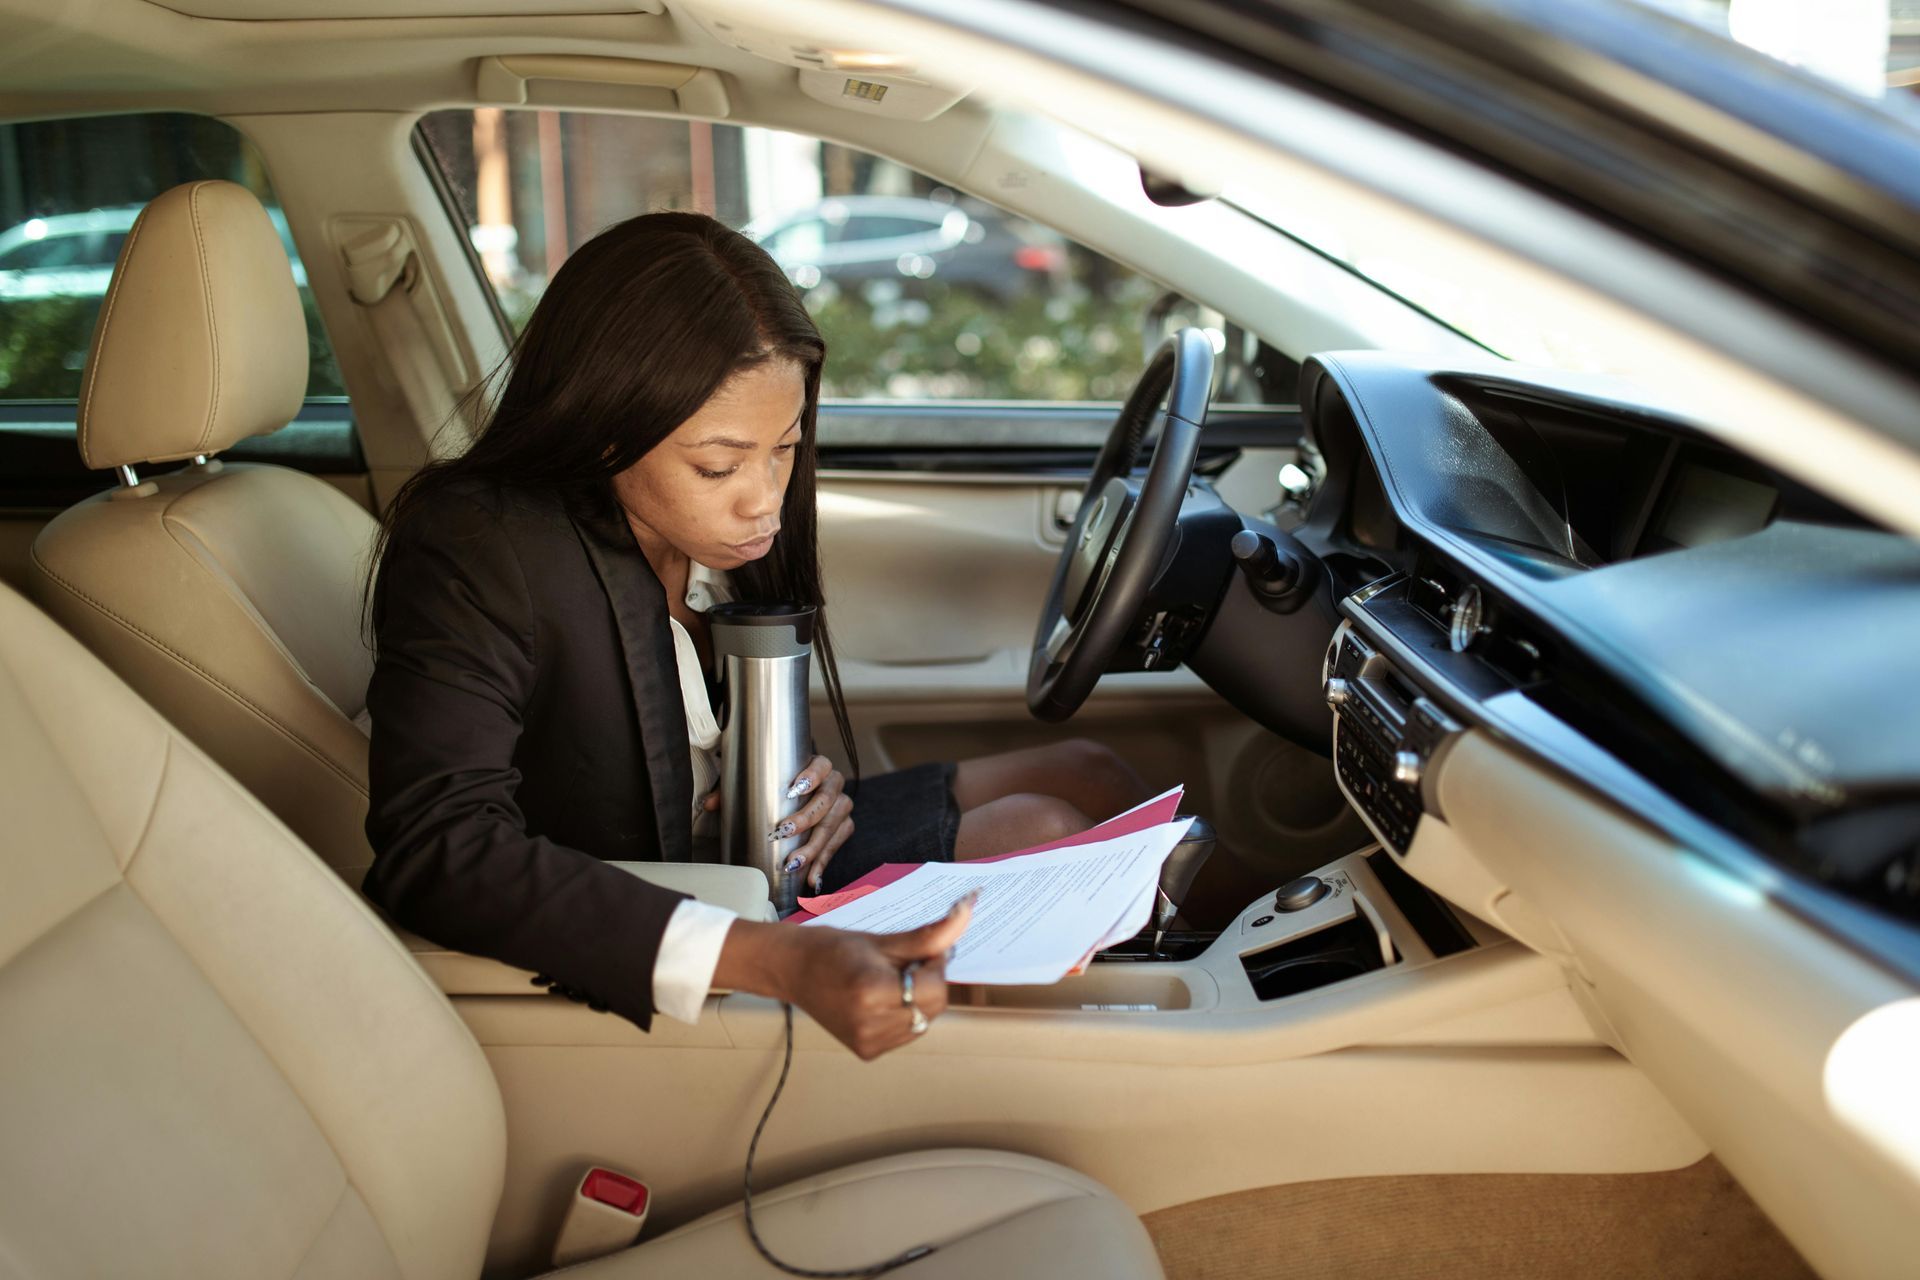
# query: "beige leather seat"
{"type": "Point", "coordinates": [227, 595]}
{"type": "Point", "coordinates": [216, 1062]}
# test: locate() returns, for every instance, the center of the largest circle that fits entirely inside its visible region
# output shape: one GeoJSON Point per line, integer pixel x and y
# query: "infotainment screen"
{"type": "Point", "coordinates": [1704, 505]}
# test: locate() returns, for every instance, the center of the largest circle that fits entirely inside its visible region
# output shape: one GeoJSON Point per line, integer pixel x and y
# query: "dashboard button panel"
{"type": "Point", "coordinates": [1386, 734]}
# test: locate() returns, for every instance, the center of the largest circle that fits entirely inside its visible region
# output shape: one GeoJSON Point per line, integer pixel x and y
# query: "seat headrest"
{"type": "Point", "coordinates": [201, 341]}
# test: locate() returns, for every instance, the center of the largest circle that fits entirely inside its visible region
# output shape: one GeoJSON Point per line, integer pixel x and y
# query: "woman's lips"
{"type": "Point", "coordinates": [754, 549]}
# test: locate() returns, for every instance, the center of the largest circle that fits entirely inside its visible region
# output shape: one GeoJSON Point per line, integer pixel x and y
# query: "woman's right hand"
{"type": "Point", "coordinates": [847, 982]}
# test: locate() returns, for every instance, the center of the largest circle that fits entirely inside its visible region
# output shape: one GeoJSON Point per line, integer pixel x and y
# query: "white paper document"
{"type": "Point", "coordinates": [1039, 915]}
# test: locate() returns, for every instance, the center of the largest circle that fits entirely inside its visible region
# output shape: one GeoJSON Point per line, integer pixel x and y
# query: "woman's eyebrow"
{"type": "Point", "coordinates": [730, 442]}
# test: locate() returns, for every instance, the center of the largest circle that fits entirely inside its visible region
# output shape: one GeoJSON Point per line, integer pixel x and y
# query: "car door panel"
{"type": "Point", "coordinates": [935, 580]}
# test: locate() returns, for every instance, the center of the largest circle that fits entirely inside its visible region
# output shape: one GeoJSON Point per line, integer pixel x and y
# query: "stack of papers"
{"type": "Point", "coordinates": [1042, 912]}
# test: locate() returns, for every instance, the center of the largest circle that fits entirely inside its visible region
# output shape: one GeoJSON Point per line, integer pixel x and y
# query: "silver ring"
{"type": "Point", "coordinates": [906, 987]}
{"type": "Point", "coordinates": [919, 1024]}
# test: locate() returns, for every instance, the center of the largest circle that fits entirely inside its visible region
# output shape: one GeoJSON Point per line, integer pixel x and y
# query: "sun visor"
{"type": "Point", "coordinates": [846, 73]}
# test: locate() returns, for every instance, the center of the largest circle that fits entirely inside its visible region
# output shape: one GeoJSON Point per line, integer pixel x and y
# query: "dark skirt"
{"type": "Point", "coordinates": [908, 815]}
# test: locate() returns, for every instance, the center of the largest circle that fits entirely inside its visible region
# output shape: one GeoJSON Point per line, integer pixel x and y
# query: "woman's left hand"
{"type": "Point", "coordinates": [825, 815]}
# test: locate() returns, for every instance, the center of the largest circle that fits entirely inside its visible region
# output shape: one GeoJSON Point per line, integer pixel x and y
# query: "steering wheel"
{"type": "Point", "coordinates": [1123, 529]}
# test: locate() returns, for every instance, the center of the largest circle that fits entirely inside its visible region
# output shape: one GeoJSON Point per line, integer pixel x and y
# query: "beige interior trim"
{"type": "Point", "coordinates": [1479, 1062]}
{"type": "Point", "coordinates": [1163, 1108]}
{"type": "Point", "coordinates": [337, 173]}
{"type": "Point", "coordinates": [741, 890]}
{"type": "Point", "coordinates": [1734, 1006]}
{"type": "Point", "coordinates": [695, 91]}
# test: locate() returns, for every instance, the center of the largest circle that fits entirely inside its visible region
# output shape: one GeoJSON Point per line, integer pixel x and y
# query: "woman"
{"type": "Point", "coordinates": [541, 693]}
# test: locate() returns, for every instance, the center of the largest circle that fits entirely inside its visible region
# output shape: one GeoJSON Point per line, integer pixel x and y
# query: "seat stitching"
{"type": "Point", "coordinates": [79, 909]}
{"type": "Point", "coordinates": [284, 730]}
{"type": "Point", "coordinates": [106, 319]}
{"type": "Point", "coordinates": [365, 914]}
{"type": "Point", "coordinates": [212, 565]}
{"type": "Point", "coordinates": [326, 1220]}
{"type": "Point", "coordinates": [273, 1059]}
{"type": "Point", "coordinates": [213, 329]}
{"type": "Point", "coordinates": [153, 805]}
{"type": "Point", "coordinates": [733, 1213]}
{"type": "Point", "coordinates": [788, 1193]}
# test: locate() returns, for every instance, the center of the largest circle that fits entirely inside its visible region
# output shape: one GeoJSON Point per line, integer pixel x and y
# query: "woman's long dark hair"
{"type": "Point", "coordinates": [635, 332]}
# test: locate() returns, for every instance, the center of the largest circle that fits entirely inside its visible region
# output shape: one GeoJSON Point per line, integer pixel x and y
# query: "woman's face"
{"type": "Point", "coordinates": [712, 490]}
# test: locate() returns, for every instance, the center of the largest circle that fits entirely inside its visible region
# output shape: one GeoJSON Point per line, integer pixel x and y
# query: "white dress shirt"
{"type": "Point", "coordinates": [690, 948]}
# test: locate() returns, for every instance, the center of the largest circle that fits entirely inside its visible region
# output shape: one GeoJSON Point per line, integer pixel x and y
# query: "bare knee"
{"type": "Point", "coordinates": [1017, 822]}
{"type": "Point", "coordinates": [1046, 818]}
{"type": "Point", "coordinates": [1103, 773]}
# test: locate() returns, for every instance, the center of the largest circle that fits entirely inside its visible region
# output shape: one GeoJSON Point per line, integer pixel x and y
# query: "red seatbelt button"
{"type": "Point", "coordinates": [616, 1189]}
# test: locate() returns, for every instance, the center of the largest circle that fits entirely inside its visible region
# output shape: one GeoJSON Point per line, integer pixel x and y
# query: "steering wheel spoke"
{"type": "Point", "coordinates": [1123, 529]}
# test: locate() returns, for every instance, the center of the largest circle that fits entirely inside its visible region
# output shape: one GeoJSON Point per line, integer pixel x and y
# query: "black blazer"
{"type": "Point", "coordinates": [527, 724]}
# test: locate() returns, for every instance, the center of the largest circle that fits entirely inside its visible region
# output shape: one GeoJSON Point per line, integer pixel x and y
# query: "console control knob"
{"type": "Point", "coordinates": [1297, 895]}
{"type": "Point", "coordinates": [1339, 691]}
{"type": "Point", "coordinates": [1406, 767]}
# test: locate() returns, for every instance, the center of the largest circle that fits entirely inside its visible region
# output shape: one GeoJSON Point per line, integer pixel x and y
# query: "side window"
{"type": "Point", "coordinates": [922, 292]}
{"type": "Point", "coordinates": [69, 192]}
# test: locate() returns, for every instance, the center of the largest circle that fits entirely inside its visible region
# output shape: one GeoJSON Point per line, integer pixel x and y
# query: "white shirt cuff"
{"type": "Point", "coordinates": [689, 953]}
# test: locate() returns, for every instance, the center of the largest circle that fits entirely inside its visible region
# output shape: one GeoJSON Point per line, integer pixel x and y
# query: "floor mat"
{"type": "Point", "coordinates": [1687, 1224]}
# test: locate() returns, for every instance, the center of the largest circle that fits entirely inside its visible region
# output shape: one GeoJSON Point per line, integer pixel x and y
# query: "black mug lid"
{"type": "Point", "coordinates": [755, 613]}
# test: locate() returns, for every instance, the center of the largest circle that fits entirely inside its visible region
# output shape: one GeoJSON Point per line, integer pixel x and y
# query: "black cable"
{"type": "Point", "coordinates": [914, 1254]}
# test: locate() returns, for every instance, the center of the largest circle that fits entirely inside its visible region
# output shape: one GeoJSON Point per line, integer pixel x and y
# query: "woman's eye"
{"type": "Point", "coordinates": [715, 475]}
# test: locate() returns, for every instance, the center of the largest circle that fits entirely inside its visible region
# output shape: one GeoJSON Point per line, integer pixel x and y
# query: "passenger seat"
{"type": "Point", "coordinates": [215, 1062]}
{"type": "Point", "coordinates": [227, 595]}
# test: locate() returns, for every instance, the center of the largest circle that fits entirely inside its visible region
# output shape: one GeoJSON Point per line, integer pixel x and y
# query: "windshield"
{"type": "Point", "coordinates": [1868, 50]}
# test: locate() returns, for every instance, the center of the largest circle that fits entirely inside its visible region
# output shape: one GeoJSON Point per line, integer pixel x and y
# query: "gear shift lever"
{"type": "Point", "coordinates": [1176, 877]}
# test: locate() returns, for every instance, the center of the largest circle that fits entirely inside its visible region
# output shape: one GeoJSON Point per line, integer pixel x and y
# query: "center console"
{"type": "Point", "coordinates": [1356, 920]}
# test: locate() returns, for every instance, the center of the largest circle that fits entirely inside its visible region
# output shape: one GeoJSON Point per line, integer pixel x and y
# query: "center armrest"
{"type": "Point", "coordinates": [741, 890]}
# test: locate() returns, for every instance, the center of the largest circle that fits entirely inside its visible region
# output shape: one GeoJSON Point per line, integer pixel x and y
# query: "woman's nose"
{"type": "Point", "coordinates": [763, 497]}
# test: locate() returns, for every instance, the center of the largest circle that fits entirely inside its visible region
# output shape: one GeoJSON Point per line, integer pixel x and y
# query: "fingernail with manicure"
{"type": "Point", "coordinates": [799, 788]}
{"type": "Point", "coordinates": [782, 831]}
{"type": "Point", "coordinates": [793, 863]}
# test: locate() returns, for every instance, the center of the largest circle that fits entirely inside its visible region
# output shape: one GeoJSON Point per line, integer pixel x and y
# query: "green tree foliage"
{"type": "Point", "coordinates": [44, 341]}
{"type": "Point", "coordinates": [931, 339]}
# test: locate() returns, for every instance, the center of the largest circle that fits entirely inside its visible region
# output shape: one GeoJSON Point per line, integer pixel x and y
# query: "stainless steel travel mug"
{"type": "Point", "coordinates": [764, 651]}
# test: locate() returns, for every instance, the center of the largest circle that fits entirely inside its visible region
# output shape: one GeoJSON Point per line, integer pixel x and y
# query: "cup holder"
{"type": "Point", "coordinates": [1179, 944]}
{"type": "Point", "coordinates": [1345, 950]}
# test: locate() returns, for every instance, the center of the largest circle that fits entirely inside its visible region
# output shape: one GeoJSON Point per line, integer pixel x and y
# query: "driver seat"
{"type": "Point", "coordinates": [227, 594]}
{"type": "Point", "coordinates": [216, 1062]}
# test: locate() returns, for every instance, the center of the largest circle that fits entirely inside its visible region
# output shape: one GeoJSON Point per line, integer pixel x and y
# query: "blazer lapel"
{"type": "Point", "coordinates": [640, 614]}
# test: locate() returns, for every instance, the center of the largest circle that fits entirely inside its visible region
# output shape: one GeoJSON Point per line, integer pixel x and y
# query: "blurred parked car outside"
{"type": "Point", "coordinates": [850, 240]}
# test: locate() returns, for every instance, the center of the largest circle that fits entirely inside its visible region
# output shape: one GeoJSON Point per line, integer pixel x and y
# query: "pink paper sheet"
{"type": "Point", "coordinates": [1160, 809]}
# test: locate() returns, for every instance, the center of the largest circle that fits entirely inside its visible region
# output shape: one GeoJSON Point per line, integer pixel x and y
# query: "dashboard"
{"type": "Point", "coordinates": [1710, 645]}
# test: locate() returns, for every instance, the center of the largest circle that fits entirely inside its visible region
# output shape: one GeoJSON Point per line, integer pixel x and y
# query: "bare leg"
{"type": "Point", "coordinates": [1015, 822]}
{"type": "Point", "coordinates": [1090, 777]}
{"type": "Point", "coordinates": [1020, 798]}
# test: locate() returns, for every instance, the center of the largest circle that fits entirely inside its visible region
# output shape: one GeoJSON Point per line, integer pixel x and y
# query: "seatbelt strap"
{"type": "Point", "coordinates": [384, 276]}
